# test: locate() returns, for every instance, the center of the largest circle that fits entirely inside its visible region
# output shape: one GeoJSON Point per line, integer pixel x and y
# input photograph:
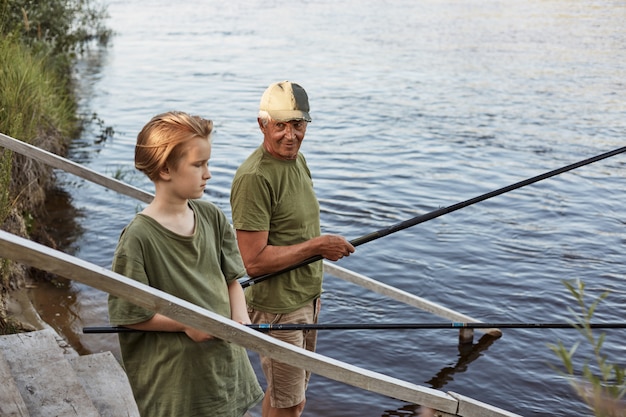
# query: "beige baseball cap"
{"type": "Point", "coordinates": [285, 101]}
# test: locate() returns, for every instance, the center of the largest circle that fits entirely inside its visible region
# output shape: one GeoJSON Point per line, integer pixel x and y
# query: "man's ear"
{"type": "Point", "coordinates": [261, 125]}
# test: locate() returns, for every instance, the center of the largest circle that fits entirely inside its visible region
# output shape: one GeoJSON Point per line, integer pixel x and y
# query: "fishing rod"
{"type": "Point", "coordinates": [440, 212]}
{"type": "Point", "coordinates": [388, 326]}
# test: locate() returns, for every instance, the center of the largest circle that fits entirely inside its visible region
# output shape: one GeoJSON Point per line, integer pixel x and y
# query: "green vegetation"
{"type": "Point", "coordinates": [60, 27]}
{"type": "Point", "coordinates": [40, 40]}
{"type": "Point", "coordinates": [601, 384]}
{"type": "Point", "coordinates": [5, 179]}
{"type": "Point", "coordinates": [35, 99]}
{"type": "Point", "coordinates": [39, 43]}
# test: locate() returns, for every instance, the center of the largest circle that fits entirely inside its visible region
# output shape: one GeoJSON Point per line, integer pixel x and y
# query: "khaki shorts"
{"type": "Point", "coordinates": [286, 384]}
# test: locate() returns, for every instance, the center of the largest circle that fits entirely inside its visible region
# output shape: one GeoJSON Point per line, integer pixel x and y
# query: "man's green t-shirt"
{"type": "Point", "coordinates": [171, 375]}
{"type": "Point", "coordinates": [277, 196]}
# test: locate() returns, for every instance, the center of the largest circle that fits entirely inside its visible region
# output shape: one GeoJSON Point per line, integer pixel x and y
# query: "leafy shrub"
{"type": "Point", "coordinates": [61, 26]}
{"type": "Point", "coordinates": [601, 384]}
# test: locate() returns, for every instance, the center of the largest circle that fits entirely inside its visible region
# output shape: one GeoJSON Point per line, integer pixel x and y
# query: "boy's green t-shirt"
{"type": "Point", "coordinates": [274, 195]}
{"type": "Point", "coordinates": [170, 374]}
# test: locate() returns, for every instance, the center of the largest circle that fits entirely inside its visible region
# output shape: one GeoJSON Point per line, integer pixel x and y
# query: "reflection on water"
{"type": "Point", "coordinates": [468, 353]}
{"type": "Point", "coordinates": [55, 300]}
{"type": "Point", "coordinates": [63, 220]}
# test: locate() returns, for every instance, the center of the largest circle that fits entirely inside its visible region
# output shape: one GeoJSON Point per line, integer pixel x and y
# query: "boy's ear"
{"type": "Point", "coordinates": [164, 173]}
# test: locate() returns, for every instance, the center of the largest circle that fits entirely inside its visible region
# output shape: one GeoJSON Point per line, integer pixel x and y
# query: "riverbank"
{"type": "Point", "coordinates": [20, 307]}
{"type": "Point", "coordinates": [17, 313]}
{"type": "Point", "coordinates": [39, 45]}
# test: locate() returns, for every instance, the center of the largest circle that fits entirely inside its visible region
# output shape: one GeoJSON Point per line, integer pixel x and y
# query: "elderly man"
{"type": "Point", "coordinates": [277, 219]}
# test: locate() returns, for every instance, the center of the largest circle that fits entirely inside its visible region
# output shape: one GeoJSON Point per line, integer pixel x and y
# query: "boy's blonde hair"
{"type": "Point", "coordinates": [159, 142]}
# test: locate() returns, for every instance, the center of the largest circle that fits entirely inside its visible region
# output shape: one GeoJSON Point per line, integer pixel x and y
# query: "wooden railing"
{"type": "Point", "coordinates": [42, 257]}
{"type": "Point", "coordinates": [465, 335]}
{"type": "Point", "coordinates": [79, 170]}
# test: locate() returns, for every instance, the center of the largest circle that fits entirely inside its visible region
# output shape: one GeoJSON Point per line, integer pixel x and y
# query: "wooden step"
{"type": "Point", "coordinates": [44, 377]}
{"type": "Point", "coordinates": [41, 357]}
{"type": "Point", "coordinates": [11, 401]}
{"type": "Point", "coordinates": [105, 381]}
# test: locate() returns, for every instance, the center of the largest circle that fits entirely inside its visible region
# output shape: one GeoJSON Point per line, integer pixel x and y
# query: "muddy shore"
{"type": "Point", "coordinates": [21, 309]}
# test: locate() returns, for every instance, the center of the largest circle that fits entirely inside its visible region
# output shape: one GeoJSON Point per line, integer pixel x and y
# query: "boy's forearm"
{"type": "Point", "coordinates": [238, 308]}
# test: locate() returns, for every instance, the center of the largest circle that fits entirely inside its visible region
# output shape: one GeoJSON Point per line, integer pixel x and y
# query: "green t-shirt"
{"type": "Point", "coordinates": [171, 375]}
{"type": "Point", "coordinates": [275, 195]}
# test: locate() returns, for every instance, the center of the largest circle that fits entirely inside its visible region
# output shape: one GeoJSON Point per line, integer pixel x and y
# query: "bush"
{"type": "Point", "coordinates": [61, 26]}
{"type": "Point", "coordinates": [602, 385]}
{"type": "Point", "coordinates": [39, 41]}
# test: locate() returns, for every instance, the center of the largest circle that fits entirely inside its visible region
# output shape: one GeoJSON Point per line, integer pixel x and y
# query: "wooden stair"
{"type": "Point", "coordinates": [42, 376]}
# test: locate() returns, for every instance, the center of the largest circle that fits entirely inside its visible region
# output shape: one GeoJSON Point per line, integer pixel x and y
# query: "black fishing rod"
{"type": "Point", "coordinates": [388, 326]}
{"type": "Point", "coordinates": [440, 212]}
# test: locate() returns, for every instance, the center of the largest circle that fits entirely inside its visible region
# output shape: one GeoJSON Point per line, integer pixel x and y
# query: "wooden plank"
{"type": "Point", "coordinates": [42, 257]}
{"type": "Point", "coordinates": [64, 164]}
{"type": "Point", "coordinates": [469, 407]}
{"type": "Point", "coordinates": [38, 364]}
{"type": "Point", "coordinates": [106, 383]}
{"type": "Point", "coordinates": [403, 296]}
{"type": "Point", "coordinates": [11, 401]}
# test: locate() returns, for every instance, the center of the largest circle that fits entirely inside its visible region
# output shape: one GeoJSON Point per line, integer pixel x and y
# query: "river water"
{"type": "Point", "coordinates": [415, 106]}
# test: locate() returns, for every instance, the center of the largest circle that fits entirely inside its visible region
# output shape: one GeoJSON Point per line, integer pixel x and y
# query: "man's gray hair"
{"type": "Point", "coordinates": [264, 117]}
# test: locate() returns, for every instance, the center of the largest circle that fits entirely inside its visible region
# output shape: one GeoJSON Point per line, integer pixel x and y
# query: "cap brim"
{"type": "Point", "coordinates": [289, 115]}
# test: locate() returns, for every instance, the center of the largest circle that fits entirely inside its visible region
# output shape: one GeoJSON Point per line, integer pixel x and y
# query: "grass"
{"type": "Point", "coordinates": [35, 99]}
{"type": "Point", "coordinates": [36, 107]}
{"type": "Point", "coordinates": [600, 382]}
